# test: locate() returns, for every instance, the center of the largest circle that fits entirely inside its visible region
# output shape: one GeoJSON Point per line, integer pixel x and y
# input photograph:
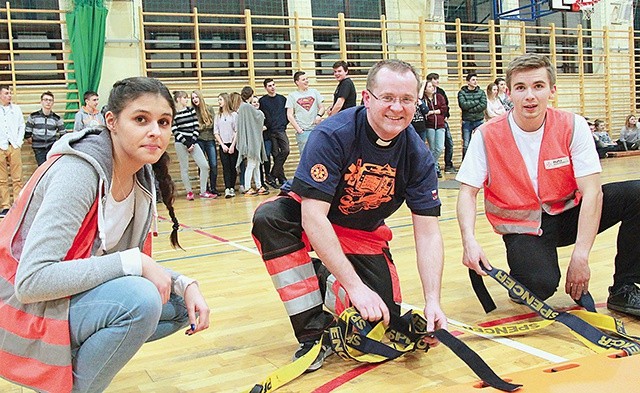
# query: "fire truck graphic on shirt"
{"type": "Point", "coordinates": [367, 187]}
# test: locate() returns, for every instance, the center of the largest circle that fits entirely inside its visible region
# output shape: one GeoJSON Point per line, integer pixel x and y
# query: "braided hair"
{"type": "Point", "coordinates": [126, 91]}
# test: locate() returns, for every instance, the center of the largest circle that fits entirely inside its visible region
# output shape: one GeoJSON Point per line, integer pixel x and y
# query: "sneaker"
{"type": "Point", "coordinates": [241, 190]}
{"type": "Point", "coordinates": [232, 192]}
{"type": "Point", "coordinates": [262, 191]}
{"type": "Point", "coordinates": [306, 347]}
{"type": "Point", "coordinates": [3, 213]}
{"type": "Point", "coordinates": [625, 299]}
{"type": "Point", "coordinates": [439, 174]}
{"type": "Point", "coordinates": [208, 195]}
{"type": "Point", "coordinates": [272, 182]}
{"type": "Point", "coordinates": [190, 196]}
{"type": "Point", "coordinates": [450, 169]}
{"type": "Point", "coordinates": [227, 193]}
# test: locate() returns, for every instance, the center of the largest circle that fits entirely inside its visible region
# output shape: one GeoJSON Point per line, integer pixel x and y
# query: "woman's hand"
{"type": "Point", "coordinates": [197, 309]}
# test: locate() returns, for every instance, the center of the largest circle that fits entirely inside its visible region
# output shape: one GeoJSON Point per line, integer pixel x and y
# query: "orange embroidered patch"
{"type": "Point", "coordinates": [319, 173]}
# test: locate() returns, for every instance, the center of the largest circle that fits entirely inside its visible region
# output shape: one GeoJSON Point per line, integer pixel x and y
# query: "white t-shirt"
{"type": "Point", "coordinates": [584, 156]}
{"type": "Point", "coordinates": [305, 105]}
{"type": "Point", "coordinates": [117, 216]}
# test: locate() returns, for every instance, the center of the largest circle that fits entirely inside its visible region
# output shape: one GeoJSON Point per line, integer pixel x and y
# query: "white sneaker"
{"type": "Point", "coordinates": [241, 190]}
{"type": "Point", "coordinates": [233, 192]}
{"type": "Point", "coordinates": [227, 193]}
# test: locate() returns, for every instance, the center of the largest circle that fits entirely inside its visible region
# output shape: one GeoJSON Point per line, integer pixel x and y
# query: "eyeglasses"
{"type": "Point", "coordinates": [390, 100]}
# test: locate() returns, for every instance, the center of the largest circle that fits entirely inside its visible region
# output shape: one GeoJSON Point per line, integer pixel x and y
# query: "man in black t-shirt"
{"type": "Point", "coordinates": [362, 164]}
{"type": "Point", "coordinates": [345, 95]}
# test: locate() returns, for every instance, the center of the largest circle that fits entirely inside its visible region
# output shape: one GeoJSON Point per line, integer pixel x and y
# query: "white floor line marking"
{"type": "Point", "coordinates": [506, 341]}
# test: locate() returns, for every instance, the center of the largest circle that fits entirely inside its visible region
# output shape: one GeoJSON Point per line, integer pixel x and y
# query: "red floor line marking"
{"type": "Point", "coordinates": [346, 377]}
{"type": "Point", "coordinates": [200, 232]}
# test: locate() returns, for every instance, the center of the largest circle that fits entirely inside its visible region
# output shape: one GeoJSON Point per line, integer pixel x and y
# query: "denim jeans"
{"type": "Point", "coordinates": [109, 323]}
{"type": "Point", "coordinates": [201, 161]}
{"type": "Point", "coordinates": [448, 146]}
{"type": "Point", "coordinates": [301, 139]}
{"type": "Point", "coordinates": [41, 154]}
{"type": "Point", "coordinates": [436, 143]}
{"type": "Point", "coordinates": [533, 260]}
{"type": "Point", "coordinates": [467, 129]}
{"type": "Point", "coordinates": [209, 149]}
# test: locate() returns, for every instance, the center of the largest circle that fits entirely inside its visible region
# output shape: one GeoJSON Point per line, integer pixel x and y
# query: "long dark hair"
{"type": "Point", "coordinates": [122, 93]}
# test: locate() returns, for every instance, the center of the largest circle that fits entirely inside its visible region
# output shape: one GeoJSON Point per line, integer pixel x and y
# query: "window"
{"type": "Point", "coordinates": [222, 45]}
{"type": "Point", "coordinates": [37, 47]}
{"type": "Point", "coordinates": [359, 42]}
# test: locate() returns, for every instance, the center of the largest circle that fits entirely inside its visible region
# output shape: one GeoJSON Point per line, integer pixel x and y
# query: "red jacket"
{"type": "Point", "coordinates": [438, 102]}
{"type": "Point", "coordinates": [511, 203]}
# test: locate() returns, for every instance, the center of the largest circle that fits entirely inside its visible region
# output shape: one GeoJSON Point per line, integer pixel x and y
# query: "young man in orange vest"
{"type": "Point", "coordinates": [541, 178]}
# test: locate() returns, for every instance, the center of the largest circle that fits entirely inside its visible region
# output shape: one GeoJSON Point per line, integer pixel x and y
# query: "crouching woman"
{"type": "Point", "coordinates": [78, 297]}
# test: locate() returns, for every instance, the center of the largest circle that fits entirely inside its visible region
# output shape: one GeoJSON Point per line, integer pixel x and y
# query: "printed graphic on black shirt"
{"type": "Point", "coordinates": [367, 187]}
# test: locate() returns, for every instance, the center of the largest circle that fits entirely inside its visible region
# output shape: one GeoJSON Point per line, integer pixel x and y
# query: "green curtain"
{"type": "Point", "coordinates": [86, 24]}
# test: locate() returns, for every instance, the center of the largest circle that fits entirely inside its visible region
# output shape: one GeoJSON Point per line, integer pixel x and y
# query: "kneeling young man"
{"type": "Point", "coordinates": [358, 168]}
{"type": "Point", "coordinates": [541, 177]}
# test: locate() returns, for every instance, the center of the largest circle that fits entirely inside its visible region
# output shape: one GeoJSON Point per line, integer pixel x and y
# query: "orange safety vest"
{"type": "Point", "coordinates": [35, 347]}
{"type": "Point", "coordinates": [511, 203]}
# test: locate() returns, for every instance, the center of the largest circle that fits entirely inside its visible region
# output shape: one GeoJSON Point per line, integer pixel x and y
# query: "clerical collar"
{"type": "Point", "coordinates": [376, 140]}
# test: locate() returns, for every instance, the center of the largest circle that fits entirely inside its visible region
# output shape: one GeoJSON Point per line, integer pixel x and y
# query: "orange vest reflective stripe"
{"type": "Point", "coordinates": [34, 341]}
{"type": "Point", "coordinates": [511, 203]}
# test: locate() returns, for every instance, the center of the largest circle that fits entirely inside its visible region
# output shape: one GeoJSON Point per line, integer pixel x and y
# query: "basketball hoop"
{"type": "Point", "coordinates": [584, 6]}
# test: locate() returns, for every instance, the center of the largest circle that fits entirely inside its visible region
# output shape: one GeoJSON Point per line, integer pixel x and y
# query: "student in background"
{"type": "Point", "coordinates": [186, 131]}
{"type": "Point", "coordinates": [206, 139]}
{"type": "Point", "coordinates": [43, 128]}
{"type": "Point", "coordinates": [225, 130]}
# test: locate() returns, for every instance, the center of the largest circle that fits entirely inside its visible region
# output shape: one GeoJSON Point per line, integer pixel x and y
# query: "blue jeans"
{"type": "Point", "coordinates": [41, 154]}
{"type": "Point", "coordinates": [448, 146]}
{"type": "Point", "coordinates": [467, 130]}
{"type": "Point", "coordinates": [301, 139]}
{"type": "Point", "coordinates": [209, 149]}
{"type": "Point", "coordinates": [435, 137]}
{"type": "Point", "coordinates": [109, 323]}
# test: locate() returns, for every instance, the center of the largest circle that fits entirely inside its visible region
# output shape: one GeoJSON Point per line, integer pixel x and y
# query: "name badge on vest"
{"type": "Point", "coordinates": [556, 163]}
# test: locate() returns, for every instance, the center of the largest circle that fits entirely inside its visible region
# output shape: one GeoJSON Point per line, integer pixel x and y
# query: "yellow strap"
{"type": "Point", "coordinates": [288, 373]}
{"type": "Point", "coordinates": [601, 321]}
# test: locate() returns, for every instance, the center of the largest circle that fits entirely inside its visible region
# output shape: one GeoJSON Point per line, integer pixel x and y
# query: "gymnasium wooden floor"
{"type": "Point", "coordinates": [250, 335]}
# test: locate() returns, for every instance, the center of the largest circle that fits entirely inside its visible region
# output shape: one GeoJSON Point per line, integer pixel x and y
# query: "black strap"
{"type": "Point", "coordinates": [574, 323]}
{"type": "Point", "coordinates": [414, 326]}
{"type": "Point", "coordinates": [481, 291]}
{"type": "Point", "coordinates": [474, 361]}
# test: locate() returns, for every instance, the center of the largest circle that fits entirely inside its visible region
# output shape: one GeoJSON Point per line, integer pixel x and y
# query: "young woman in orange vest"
{"type": "Point", "coordinates": [78, 297]}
